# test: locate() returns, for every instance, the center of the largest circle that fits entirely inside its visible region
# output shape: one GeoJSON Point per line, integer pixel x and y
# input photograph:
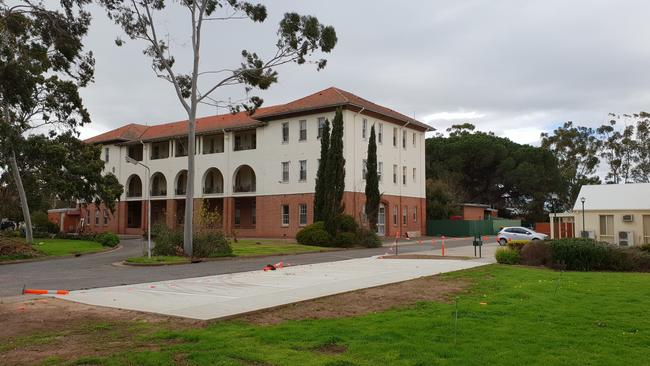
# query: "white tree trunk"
{"type": "Point", "coordinates": [23, 198]}
{"type": "Point", "coordinates": [189, 191]}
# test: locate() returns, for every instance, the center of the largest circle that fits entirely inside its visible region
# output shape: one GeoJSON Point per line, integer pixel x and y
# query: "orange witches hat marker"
{"type": "Point", "coordinates": [45, 292]}
{"type": "Point", "coordinates": [442, 238]}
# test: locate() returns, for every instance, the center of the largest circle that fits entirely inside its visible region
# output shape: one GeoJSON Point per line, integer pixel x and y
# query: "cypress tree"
{"type": "Point", "coordinates": [335, 175]}
{"type": "Point", "coordinates": [372, 182]}
{"type": "Point", "coordinates": [321, 178]}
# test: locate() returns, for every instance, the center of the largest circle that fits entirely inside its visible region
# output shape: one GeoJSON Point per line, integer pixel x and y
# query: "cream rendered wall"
{"type": "Point", "coordinates": [266, 160]}
{"type": "Point", "coordinates": [592, 223]}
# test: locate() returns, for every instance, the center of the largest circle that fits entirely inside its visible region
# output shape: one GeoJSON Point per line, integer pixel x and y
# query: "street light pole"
{"type": "Point", "coordinates": [148, 181]}
{"type": "Point", "coordinates": [584, 232]}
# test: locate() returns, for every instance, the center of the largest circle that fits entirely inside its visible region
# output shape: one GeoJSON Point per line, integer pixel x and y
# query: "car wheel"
{"type": "Point", "coordinates": [503, 242]}
{"type": "Point", "coordinates": [536, 239]}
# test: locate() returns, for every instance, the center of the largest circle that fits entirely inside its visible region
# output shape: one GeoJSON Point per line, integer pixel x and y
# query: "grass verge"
{"type": "Point", "coordinates": [158, 259]}
{"type": "Point", "coordinates": [252, 247]}
{"type": "Point", "coordinates": [59, 247]}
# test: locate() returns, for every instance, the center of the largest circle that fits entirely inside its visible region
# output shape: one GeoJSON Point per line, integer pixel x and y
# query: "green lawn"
{"type": "Point", "coordinates": [59, 247]}
{"type": "Point", "coordinates": [248, 247]}
{"type": "Point", "coordinates": [166, 259]}
{"type": "Point", "coordinates": [528, 317]}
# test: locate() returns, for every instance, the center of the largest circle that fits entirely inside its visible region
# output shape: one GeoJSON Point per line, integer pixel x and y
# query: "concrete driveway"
{"type": "Point", "coordinates": [225, 295]}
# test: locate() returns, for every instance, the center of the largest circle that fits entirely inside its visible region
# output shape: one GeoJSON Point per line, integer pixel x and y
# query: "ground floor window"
{"type": "Point", "coordinates": [302, 214]}
{"type": "Point", "coordinates": [237, 215]}
{"type": "Point", "coordinates": [646, 229]}
{"type": "Point", "coordinates": [254, 212]}
{"type": "Point", "coordinates": [105, 217]}
{"type": "Point", "coordinates": [405, 213]}
{"type": "Point", "coordinates": [607, 227]}
{"type": "Point", "coordinates": [285, 215]}
{"type": "Point", "coordinates": [395, 210]}
{"type": "Point", "coordinates": [415, 214]}
{"type": "Point", "coordinates": [97, 217]}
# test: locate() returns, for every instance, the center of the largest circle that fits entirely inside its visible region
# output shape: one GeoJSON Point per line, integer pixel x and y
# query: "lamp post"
{"type": "Point", "coordinates": [135, 162]}
{"type": "Point", "coordinates": [554, 197]}
{"type": "Point", "coordinates": [584, 232]}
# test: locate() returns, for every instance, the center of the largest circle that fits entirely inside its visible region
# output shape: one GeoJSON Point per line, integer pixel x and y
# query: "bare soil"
{"type": "Point", "coordinates": [34, 330]}
{"type": "Point", "coordinates": [12, 247]}
{"type": "Point", "coordinates": [362, 302]}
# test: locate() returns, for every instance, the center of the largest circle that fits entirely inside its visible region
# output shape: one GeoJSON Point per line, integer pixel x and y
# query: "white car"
{"type": "Point", "coordinates": [518, 233]}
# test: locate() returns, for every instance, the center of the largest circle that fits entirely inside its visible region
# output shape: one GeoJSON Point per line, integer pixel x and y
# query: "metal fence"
{"type": "Point", "coordinates": [468, 228]}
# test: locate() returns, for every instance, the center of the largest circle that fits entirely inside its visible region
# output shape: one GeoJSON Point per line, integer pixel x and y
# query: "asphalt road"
{"type": "Point", "coordinates": [97, 270]}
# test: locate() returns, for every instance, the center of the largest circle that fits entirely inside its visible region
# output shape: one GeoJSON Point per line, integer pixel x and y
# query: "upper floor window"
{"type": "Point", "coordinates": [404, 175]}
{"type": "Point", "coordinates": [285, 132]}
{"type": "Point", "coordinates": [303, 170]}
{"type": "Point", "coordinates": [380, 133]}
{"type": "Point", "coordinates": [245, 140]}
{"type": "Point", "coordinates": [395, 173]}
{"type": "Point", "coordinates": [321, 124]}
{"type": "Point", "coordinates": [159, 150]}
{"type": "Point", "coordinates": [364, 129]}
{"type": "Point", "coordinates": [285, 171]}
{"type": "Point", "coordinates": [380, 170]}
{"type": "Point", "coordinates": [364, 168]}
{"type": "Point", "coordinates": [180, 147]}
{"type": "Point", "coordinates": [414, 174]}
{"type": "Point", "coordinates": [213, 144]}
{"type": "Point", "coordinates": [395, 136]}
{"type": "Point", "coordinates": [403, 139]}
{"type": "Point", "coordinates": [303, 130]}
{"type": "Point", "coordinates": [106, 154]}
{"type": "Point", "coordinates": [414, 139]}
{"type": "Point", "coordinates": [135, 152]}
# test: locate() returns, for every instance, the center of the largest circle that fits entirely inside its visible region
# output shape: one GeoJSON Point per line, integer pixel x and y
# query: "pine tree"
{"type": "Point", "coordinates": [335, 175]}
{"type": "Point", "coordinates": [372, 182]}
{"type": "Point", "coordinates": [321, 178]}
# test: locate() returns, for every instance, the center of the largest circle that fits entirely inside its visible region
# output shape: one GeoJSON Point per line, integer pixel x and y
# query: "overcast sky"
{"type": "Point", "coordinates": [516, 68]}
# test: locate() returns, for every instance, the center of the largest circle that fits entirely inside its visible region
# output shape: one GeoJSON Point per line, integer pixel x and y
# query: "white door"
{"type": "Point", "coordinates": [381, 220]}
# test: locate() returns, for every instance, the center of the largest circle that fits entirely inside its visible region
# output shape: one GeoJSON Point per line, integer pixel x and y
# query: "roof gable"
{"type": "Point", "coordinates": [603, 197]}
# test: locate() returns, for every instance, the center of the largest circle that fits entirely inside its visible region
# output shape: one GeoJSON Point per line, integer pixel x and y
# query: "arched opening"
{"type": "Point", "coordinates": [158, 185]}
{"type": "Point", "coordinates": [181, 183]}
{"type": "Point", "coordinates": [244, 179]}
{"type": "Point", "coordinates": [213, 181]}
{"type": "Point", "coordinates": [134, 186]}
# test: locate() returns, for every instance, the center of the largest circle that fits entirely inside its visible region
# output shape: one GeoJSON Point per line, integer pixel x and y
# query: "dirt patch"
{"type": "Point", "coordinates": [363, 301]}
{"type": "Point", "coordinates": [332, 349]}
{"type": "Point", "coordinates": [37, 329]}
{"type": "Point", "coordinates": [424, 256]}
{"type": "Point", "coordinates": [13, 248]}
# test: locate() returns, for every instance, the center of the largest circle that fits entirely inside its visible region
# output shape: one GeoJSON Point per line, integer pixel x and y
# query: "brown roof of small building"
{"type": "Point", "coordinates": [328, 98]}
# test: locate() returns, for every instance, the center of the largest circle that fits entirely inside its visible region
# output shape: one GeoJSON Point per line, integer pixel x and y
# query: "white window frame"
{"type": "Point", "coordinates": [646, 229]}
{"type": "Point", "coordinates": [302, 135]}
{"type": "Point", "coordinates": [607, 218]}
{"type": "Point", "coordinates": [394, 173]}
{"type": "Point", "coordinates": [302, 214]}
{"type": "Point", "coordinates": [395, 213]}
{"type": "Point", "coordinates": [302, 175]}
{"type": "Point", "coordinates": [364, 168]}
{"type": "Point", "coordinates": [380, 170]}
{"type": "Point", "coordinates": [413, 139]}
{"type": "Point", "coordinates": [404, 139]}
{"type": "Point", "coordinates": [380, 133]}
{"type": "Point", "coordinates": [105, 217]}
{"type": "Point", "coordinates": [395, 136]}
{"type": "Point", "coordinates": [97, 215]}
{"type": "Point", "coordinates": [404, 175]}
{"type": "Point", "coordinates": [415, 214]}
{"type": "Point", "coordinates": [364, 128]}
{"type": "Point", "coordinates": [321, 123]}
{"type": "Point", "coordinates": [285, 216]}
{"type": "Point", "coordinates": [285, 172]}
{"type": "Point", "coordinates": [405, 215]}
{"type": "Point", "coordinates": [414, 174]}
{"type": "Point", "coordinates": [285, 127]}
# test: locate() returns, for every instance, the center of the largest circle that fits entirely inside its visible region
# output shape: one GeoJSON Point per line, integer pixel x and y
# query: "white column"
{"type": "Point", "coordinates": [552, 217]}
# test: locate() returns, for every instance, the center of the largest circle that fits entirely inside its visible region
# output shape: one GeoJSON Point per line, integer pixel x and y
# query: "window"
{"type": "Point", "coordinates": [213, 144]}
{"type": "Point", "coordinates": [395, 210]}
{"type": "Point", "coordinates": [302, 214]}
{"type": "Point", "coordinates": [607, 227]}
{"type": "Point", "coordinates": [413, 139]}
{"type": "Point", "coordinates": [285, 215]}
{"type": "Point", "coordinates": [395, 173]}
{"type": "Point", "coordinates": [403, 139]}
{"type": "Point", "coordinates": [254, 213]}
{"type": "Point", "coordinates": [646, 229]}
{"type": "Point", "coordinates": [285, 172]}
{"type": "Point", "coordinates": [303, 130]}
{"type": "Point", "coordinates": [395, 136]}
{"type": "Point", "coordinates": [237, 215]}
{"type": "Point", "coordinates": [405, 213]}
{"type": "Point", "coordinates": [380, 170]}
{"type": "Point", "coordinates": [105, 217]}
{"type": "Point", "coordinates": [245, 140]}
{"type": "Point", "coordinates": [404, 175]}
{"type": "Point", "coordinates": [160, 150]}
{"type": "Point", "coordinates": [414, 174]}
{"type": "Point", "coordinates": [303, 170]}
{"type": "Point", "coordinates": [415, 214]}
{"type": "Point", "coordinates": [180, 147]}
{"type": "Point", "coordinates": [364, 129]}
{"type": "Point", "coordinates": [97, 217]}
{"type": "Point", "coordinates": [106, 154]}
{"type": "Point", "coordinates": [364, 168]}
{"type": "Point", "coordinates": [321, 124]}
{"type": "Point", "coordinates": [135, 152]}
{"type": "Point", "coordinates": [285, 132]}
{"type": "Point", "coordinates": [380, 134]}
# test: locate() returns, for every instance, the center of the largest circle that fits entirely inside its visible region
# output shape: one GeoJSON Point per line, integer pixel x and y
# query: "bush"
{"type": "Point", "coordinates": [314, 234]}
{"type": "Point", "coordinates": [347, 224]}
{"type": "Point", "coordinates": [580, 254]}
{"type": "Point", "coordinates": [368, 238]}
{"type": "Point", "coordinates": [645, 247]}
{"type": "Point", "coordinates": [345, 239]}
{"type": "Point", "coordinates": [517, 244]}
{"type": "Point", "coordinates": [211, 244]}
{"type": "Point", "coordinates": [107, 239]}
{"type": "Point", "coordinates": [167, 241]}
{"type": "Point", "coordinates": [507, 256]}
{"type": "Point", "coordinates": [536, 253]}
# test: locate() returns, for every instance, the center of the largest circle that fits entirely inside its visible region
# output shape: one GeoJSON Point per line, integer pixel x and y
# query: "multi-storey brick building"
{"type": "Point", "coordinates": [259, 171]}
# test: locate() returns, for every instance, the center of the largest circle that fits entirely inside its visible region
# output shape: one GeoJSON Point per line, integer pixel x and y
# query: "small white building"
{"type": "Point", "coordinates": [615, 213]}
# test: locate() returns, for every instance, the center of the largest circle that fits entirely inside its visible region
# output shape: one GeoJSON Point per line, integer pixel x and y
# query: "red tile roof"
{"type": "Point", "coordinates": [328, 98]}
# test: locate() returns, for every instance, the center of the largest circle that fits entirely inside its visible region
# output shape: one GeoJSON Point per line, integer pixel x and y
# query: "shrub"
{"type": "Point", "coordinates": [345, 239]}
{"type": "Point", "coordinates": [517, 244]}
{"type": "Point", "coordinates": [42, 224]}
{"type": "Point", "coordinates": [210, 244]}
{"type": "Point", "coordinates": [368, 238]}
{"type": "Point", "coordinates": [347, 224]}
{"type": "Point", "coordinates": [580, 254]}
{"type": "Point", "coordinates": [107, 239]}
{"type": "Point", "coordinates": [507, 256]}
{"type": "Point", "coordinates": [536, 253]}
{"type": "Point", "coordinates": [645, 247]}
{"type": "Point", "coordinates": [167, 241]}
{"type": "Point", "coordinates": [314, 234]}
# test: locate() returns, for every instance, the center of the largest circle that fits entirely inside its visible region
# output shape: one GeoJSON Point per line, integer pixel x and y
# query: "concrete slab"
{"type": "Point", "coordinates": [225, 295]}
